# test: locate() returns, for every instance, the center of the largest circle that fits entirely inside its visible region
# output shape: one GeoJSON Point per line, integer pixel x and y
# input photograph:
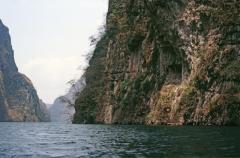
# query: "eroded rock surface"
{"type": "Point", "coordinates": [165, 62]}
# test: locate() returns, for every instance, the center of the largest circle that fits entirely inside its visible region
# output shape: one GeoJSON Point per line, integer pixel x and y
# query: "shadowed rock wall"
{"type": "Point", "coordinates": [18, 98]}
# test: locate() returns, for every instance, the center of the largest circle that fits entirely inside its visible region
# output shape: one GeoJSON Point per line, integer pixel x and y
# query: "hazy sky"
{"type": "Point", "coordinates": [50, 39]}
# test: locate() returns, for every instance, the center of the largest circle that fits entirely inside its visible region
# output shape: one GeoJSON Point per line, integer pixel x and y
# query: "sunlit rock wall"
{"type": "Point", "coordinates": [165, 62]}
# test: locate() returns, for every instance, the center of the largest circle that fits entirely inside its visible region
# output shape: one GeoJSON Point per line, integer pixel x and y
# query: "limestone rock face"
{"type": "Point", "coordinates": [165, 62]}
{"type": "Point", "coordinates": [18, 98]}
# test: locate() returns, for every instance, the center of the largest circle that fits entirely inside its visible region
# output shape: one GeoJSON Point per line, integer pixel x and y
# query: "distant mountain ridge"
{"type": "Point", "coordinates": [18, 98]}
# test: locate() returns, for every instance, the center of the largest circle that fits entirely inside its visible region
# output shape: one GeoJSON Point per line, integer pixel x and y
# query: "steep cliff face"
{"type": "Point", "coordinates": [18, 98]}
{"type": "Point", "coordinates": [165, 62]}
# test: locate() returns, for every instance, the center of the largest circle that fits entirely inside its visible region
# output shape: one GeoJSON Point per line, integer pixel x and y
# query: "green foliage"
{"type": "Point", "coordinates": [231, 72]}
{"type": "Point", "coordinates": [154, 61]}
{"type": "Point", "coordinates": [86, 104]}
{"type": "Point", "coordinates": [123, 97]}
{"type": "Point", "coordinates": [137, 83]}
{"type": "Point", "coordinates": [147, 85]}
{"type": "Point", "coordinates": [188, 98]}
{"type": "Point", "coordinates": [200, 83]}
{"type": "Point", "coordinates": [135, 42]}
{"type": "Point", "coordinates": [111, 32]}
{"type": "Point", "coordinates": [86, 107]}
{"type": "Point", "coordinates": [234, 115]}
{"type": "Point", "coordinates": [124, 86]}
{"type": "Point", "coordinates": [138, 88]}
{"type": "Point", "coordinates": [228, 106]}
{"type": "Point", "coordinates": [233, 89]}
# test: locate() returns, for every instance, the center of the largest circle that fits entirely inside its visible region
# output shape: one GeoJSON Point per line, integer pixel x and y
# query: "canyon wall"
{"type": "Point", "coordinates": [18, 98]}
{"type": "Point", "coordinates": [171, 62]}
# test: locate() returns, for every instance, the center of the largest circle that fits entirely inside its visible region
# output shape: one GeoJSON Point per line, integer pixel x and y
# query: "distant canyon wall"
{"type": "Point", "coordinates": [18, 98]}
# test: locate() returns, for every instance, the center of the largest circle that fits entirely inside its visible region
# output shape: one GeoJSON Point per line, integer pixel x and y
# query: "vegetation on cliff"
{"type": "Point", "coordinates": [165, 62]}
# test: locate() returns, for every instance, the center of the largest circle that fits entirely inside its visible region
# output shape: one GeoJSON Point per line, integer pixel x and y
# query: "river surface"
{"type": "Point", "coordinates": [54, 140]}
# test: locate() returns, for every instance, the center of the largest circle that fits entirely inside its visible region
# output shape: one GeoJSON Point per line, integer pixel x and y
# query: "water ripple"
{"type": "Point", "coordinates": [49, 140]}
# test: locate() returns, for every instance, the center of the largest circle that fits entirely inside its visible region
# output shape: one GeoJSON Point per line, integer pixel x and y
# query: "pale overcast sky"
{"type": "Point", "coordinates": [50, 38]}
